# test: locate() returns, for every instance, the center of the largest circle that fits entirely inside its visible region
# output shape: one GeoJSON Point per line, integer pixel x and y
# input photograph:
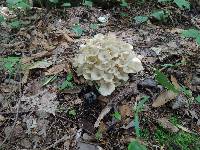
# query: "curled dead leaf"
{"type": "Point", "coordinates": [163, 98]}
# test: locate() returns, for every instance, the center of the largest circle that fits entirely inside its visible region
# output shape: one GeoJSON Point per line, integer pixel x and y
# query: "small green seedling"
{"type": "Point", "coordinates": [77, 30]}
{"type": "Point", "coordinates": [67, 83]}
{"type": "Point", "coordinates": [117, 116]}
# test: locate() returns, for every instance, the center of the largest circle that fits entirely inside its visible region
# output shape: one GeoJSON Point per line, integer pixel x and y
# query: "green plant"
{"type": "Point", "coordinates": [162, 79]}
{"type": "Point", "coordinates": [198, 99]}
{"type": "Point", "coordinates": [183, 4]}
{"type": "Point", "coordinates": [159, 15]}
{"type": "Point", "coordinates": [192, 33]}
{"type": "Point", "coordinates": [10, 64]}
{"type": "Point", "coordinates": [185, 141]}
{"type": "Point", "coordinates": [18, 4]}
{"type": "Point", "coordinates": [2, 19]}
{"type": "Point", "coordinates": [87, 3]}
{"type": "Point", "coordinates": [135, 145]}
{"type": "Point", "coordinates": [117, 116]}
{"type": "Point", "coordinates": [138, 108]}
{"type": "Point", "coordinates": [77, 30]}
{"type": "Point", "coordinates": [67, 83]}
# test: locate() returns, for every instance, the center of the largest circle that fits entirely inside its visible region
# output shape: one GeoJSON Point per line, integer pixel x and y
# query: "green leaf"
{"type": "Point", "coordinates": [140, 105]}
{"type": "Point", "coordinates": [66, 84]}
{"type": "Point", "coordinates": [160, 15]}
{"type": "Point", "coordinates": [198, 40]}
{"type": "Point", "coordinates": [77, 30]}
{"type": "Point", "coordinates": [9, 63]}
{"type": "Point", "coordinates": [198, 98]}
{"type": "Point", "coordinates": [190, 33]}
{"type": "Point", "coordinates": [117, 116]}
{"type": "Point", "coordinates": [88, 3]}
{"type": "Point", "coordinates": [22, 5]}
{"type": "Point", "coordinates": [141, 19]}
{"type": "Point", "coordinates": [135, 145]}
{"type": "Point", "coordinates": [186, 91]}
{"type": "Point", "coordinates": [69, 76]}
{"type": "Point", "coordinates": [123, 3]}
{"type": "Point", "coordinates": [136, 124]}
{"type": "Point", "coordinates": [2, 19]}
{"type": "Point", "coordinates": [13, 2]}
{"type": "Point", "coordinates": [54, 1]}
{"type": "Point", "coordinates": [162, 79]}
{"type": "Point", "coordinates": [15, 24]}
{"type": "Point", "coordinates": [66, 5]}
{"type": "Point", "coordinates": [183, 4]}
{"type": "Point", "coordinates": [72, 112]}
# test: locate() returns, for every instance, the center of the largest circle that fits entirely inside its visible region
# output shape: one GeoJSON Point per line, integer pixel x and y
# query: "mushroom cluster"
{"type": "Point", "coordinates": [106, 60]}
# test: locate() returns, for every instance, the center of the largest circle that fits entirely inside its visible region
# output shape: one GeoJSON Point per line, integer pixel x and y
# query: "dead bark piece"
{"type": "Point", "coordinates": [163, 98]}
{"type": "Point", "coordinates": [168, 125]}
{"type": "Point", "coordinates": [114, 100]}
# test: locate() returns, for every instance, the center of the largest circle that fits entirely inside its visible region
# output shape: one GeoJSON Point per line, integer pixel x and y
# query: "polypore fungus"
{"type": "Point", "coordinates": [106, 60]}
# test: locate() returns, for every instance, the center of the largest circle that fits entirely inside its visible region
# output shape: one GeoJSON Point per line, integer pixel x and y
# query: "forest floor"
{"type": "Point", "coordinates": [39, 111]}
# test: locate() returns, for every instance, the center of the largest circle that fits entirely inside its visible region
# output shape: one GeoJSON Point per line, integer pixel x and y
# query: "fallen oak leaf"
{"type": "Point", "coordinates": [163, 98]}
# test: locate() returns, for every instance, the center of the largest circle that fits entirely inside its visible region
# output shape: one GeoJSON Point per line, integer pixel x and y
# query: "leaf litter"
{"type": "Point", "coordinates": [47, 48]}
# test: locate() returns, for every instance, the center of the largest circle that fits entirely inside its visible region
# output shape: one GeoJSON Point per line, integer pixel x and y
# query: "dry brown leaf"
{"type": "Point", "coordinates": [168, 125]}
{"type": "Point", "coordinates": [163, 98]}
{"type": "Point", "coordinates": [55, 69]}
{"type": "Point", "coordinates": [175, 82]}
{"type": "Point", "coordinates": [125, 110]}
